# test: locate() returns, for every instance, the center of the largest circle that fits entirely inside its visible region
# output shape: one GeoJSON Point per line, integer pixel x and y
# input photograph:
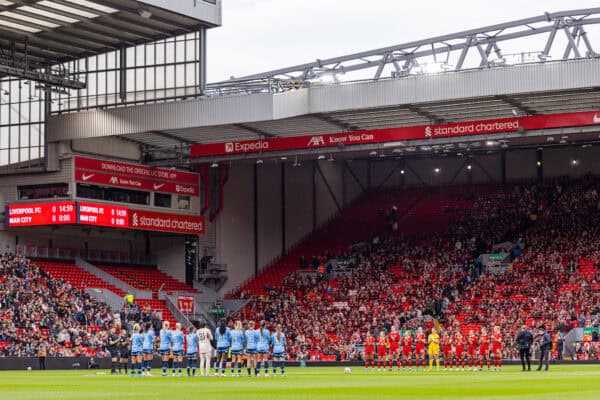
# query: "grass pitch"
{"type": "Point", "coordinates": [563, 381]}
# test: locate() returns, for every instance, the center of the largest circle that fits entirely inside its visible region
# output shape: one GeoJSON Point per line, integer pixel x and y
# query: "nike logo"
{"type": "Point", "coordinates": [158, 186]}
{"type": "Point", "coordinates": [86, 177]}
{"type": "Point", "coordinates": [596, 119]}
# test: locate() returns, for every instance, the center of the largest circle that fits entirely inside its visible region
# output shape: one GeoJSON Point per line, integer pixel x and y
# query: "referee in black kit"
{"type": "Point", "coordinates": [524, 340]}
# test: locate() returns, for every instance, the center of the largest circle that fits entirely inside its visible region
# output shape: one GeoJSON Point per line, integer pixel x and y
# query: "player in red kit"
{"type": "Point", "coordinates": [472, 343]}
{"type": "Point", "coordinates": [383, 345]}
{"type": "Point", "coordinates": [459, 350]}
{"type": "Point", "coordinates": [420, 342]}
{"type": "Point", "coordinates": [447, 350]}
{"type": "Point", "coordinates": [497, 348]}
{"type": "Point", "coordinates": [394, 338]}
{"type": "Point", "coordinates": [407, 342]}
{"type": "Point", "coordinates": [484, 349]}
{"type": "Point", "coordinates": [369, 351]}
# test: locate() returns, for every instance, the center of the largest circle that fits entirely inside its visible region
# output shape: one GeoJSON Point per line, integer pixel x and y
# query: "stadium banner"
{"type": "Point", "coordinates": [36, 214]}
{"type": "Point", "coordinates": [135, 183]}
{"type": "Point", "coordinates": [164, 222]}
{"type": "Point", "coordinates": [97, 214]}
{"type": "Point", "coordinates": [185, 304]}
{"type": "Point", "coordinates": [467, 128]}
{"type": "Point", "coordinates": [135, 176]}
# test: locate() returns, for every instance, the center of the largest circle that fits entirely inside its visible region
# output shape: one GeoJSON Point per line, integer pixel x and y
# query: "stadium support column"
{"type": "Point", "coordinates": [202, 61]}
{"type": "Point", "coordinates": [123, 74]}
{"type": "Point", "coordinates": [47, 111]}
{"type": "Point", "coordinates": [503, 166]}
{"type": "Point", "coordinates": [540, 165]}
{"type": "Point", "coordinates": [369, 173]}
{"type": "Point", "coordinates": [283, 211]}
{"type": "Point", "coordinates": [314, 196]}
{"type": "Point", "coordinates": [255, 216]}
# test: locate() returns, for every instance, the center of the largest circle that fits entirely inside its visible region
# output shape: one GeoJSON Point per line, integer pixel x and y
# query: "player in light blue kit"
{"type": "Point", "coordinates": [223, 338]}
{"type": "Point", "coordinates": [237, 348]}
{"type": "Point", "coordinates": [263, 346]}
{"type": "Point", "coordinates": [148, 348]}
{"type": "Point", "coordinates": [137, 342]}
{"type": "Point", "coordinates": [279, 342]}
{"type": "Point", "coordinates": [251, 338]}
{"type": "Point", "coordinates": [164, 346]}
{"type": "Point", "coordinates": [178, 342]}
{"type": "Point", "coordinates": [192, 351]}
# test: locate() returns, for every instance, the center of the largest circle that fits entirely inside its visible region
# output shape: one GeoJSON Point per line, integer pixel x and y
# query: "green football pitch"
{"type": "Point", "coordinates": [561, 382]}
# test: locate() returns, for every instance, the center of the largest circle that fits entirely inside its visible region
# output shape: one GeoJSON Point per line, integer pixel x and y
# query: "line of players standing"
{"type": "Point", "coordinates": [252, 346]}
{"type": "Point", "coordinates": [456, 349]}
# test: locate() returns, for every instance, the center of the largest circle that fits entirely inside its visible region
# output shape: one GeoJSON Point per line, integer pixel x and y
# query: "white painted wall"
{"type": "Point", "coordinates": [234, 226]}
{"type": "Point", "coordinates": [298, 199]}
{"type": "Point", "coordinates": [521, 165]}
{"type": "Point", "coordinates": [326, 205]}
{"type": "Point", "coordinates": [353, 188]}
{"type": "Point", "coordinates": [170, 255]}
{"type": "Point", "coordinates": [269, 213]}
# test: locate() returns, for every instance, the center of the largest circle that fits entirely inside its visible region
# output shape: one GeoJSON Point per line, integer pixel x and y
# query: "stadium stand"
{"type": "Point", "coordinates": [38, 308]}
{"type": "Point", "coordinates": [44, 302]}
{"type": "Point", "coordinates": [424, 271]}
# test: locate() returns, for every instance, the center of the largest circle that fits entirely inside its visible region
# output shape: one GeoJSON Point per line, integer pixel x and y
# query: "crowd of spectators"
{"type": "Point", "coordinates": [39, 313]}
{"type": "Point", "coordinates": [414, 281]}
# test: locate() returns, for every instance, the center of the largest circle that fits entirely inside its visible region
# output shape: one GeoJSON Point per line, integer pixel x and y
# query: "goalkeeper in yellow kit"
{"type": "Point", "coordinates": [434, 348]}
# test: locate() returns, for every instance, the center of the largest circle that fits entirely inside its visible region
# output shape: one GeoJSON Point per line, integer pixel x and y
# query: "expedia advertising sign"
{"type": "Point", "coordinates": [405, 133]}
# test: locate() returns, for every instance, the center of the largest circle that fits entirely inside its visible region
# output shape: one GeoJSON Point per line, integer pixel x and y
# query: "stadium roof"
{"type": "Point", "coordinates": [50, 32]}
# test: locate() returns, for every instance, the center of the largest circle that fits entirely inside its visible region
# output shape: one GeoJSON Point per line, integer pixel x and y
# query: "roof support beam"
{"type": "Point", "coordinates": [518, 105]}
{"type": "Point", "coordinates": [434, 119]}
{"type": "Point", "coordinates": [172, 137]}
{"type": "Point", "coordinates": [334, 121]}
{"type": "Point", "coordinates": [259, 132]}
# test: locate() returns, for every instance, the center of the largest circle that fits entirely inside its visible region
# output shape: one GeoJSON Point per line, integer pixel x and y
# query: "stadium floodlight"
{"type": "Point", "coordinates": [574, 163]}
{"type": "Point", "coordinates": [401, 172]}
{"type": "Point", "coordinates": [437, 170]}
{"type": "Point", "coordinates": [469, 167]}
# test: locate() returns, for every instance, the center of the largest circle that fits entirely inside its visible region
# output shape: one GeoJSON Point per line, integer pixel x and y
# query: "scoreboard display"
{"type": "Point", "coordinates": [102, 215]}
{"type": "Point", "coordinates": [97, 214]}
{"type": "Point", "coordinates": [36, 214]}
